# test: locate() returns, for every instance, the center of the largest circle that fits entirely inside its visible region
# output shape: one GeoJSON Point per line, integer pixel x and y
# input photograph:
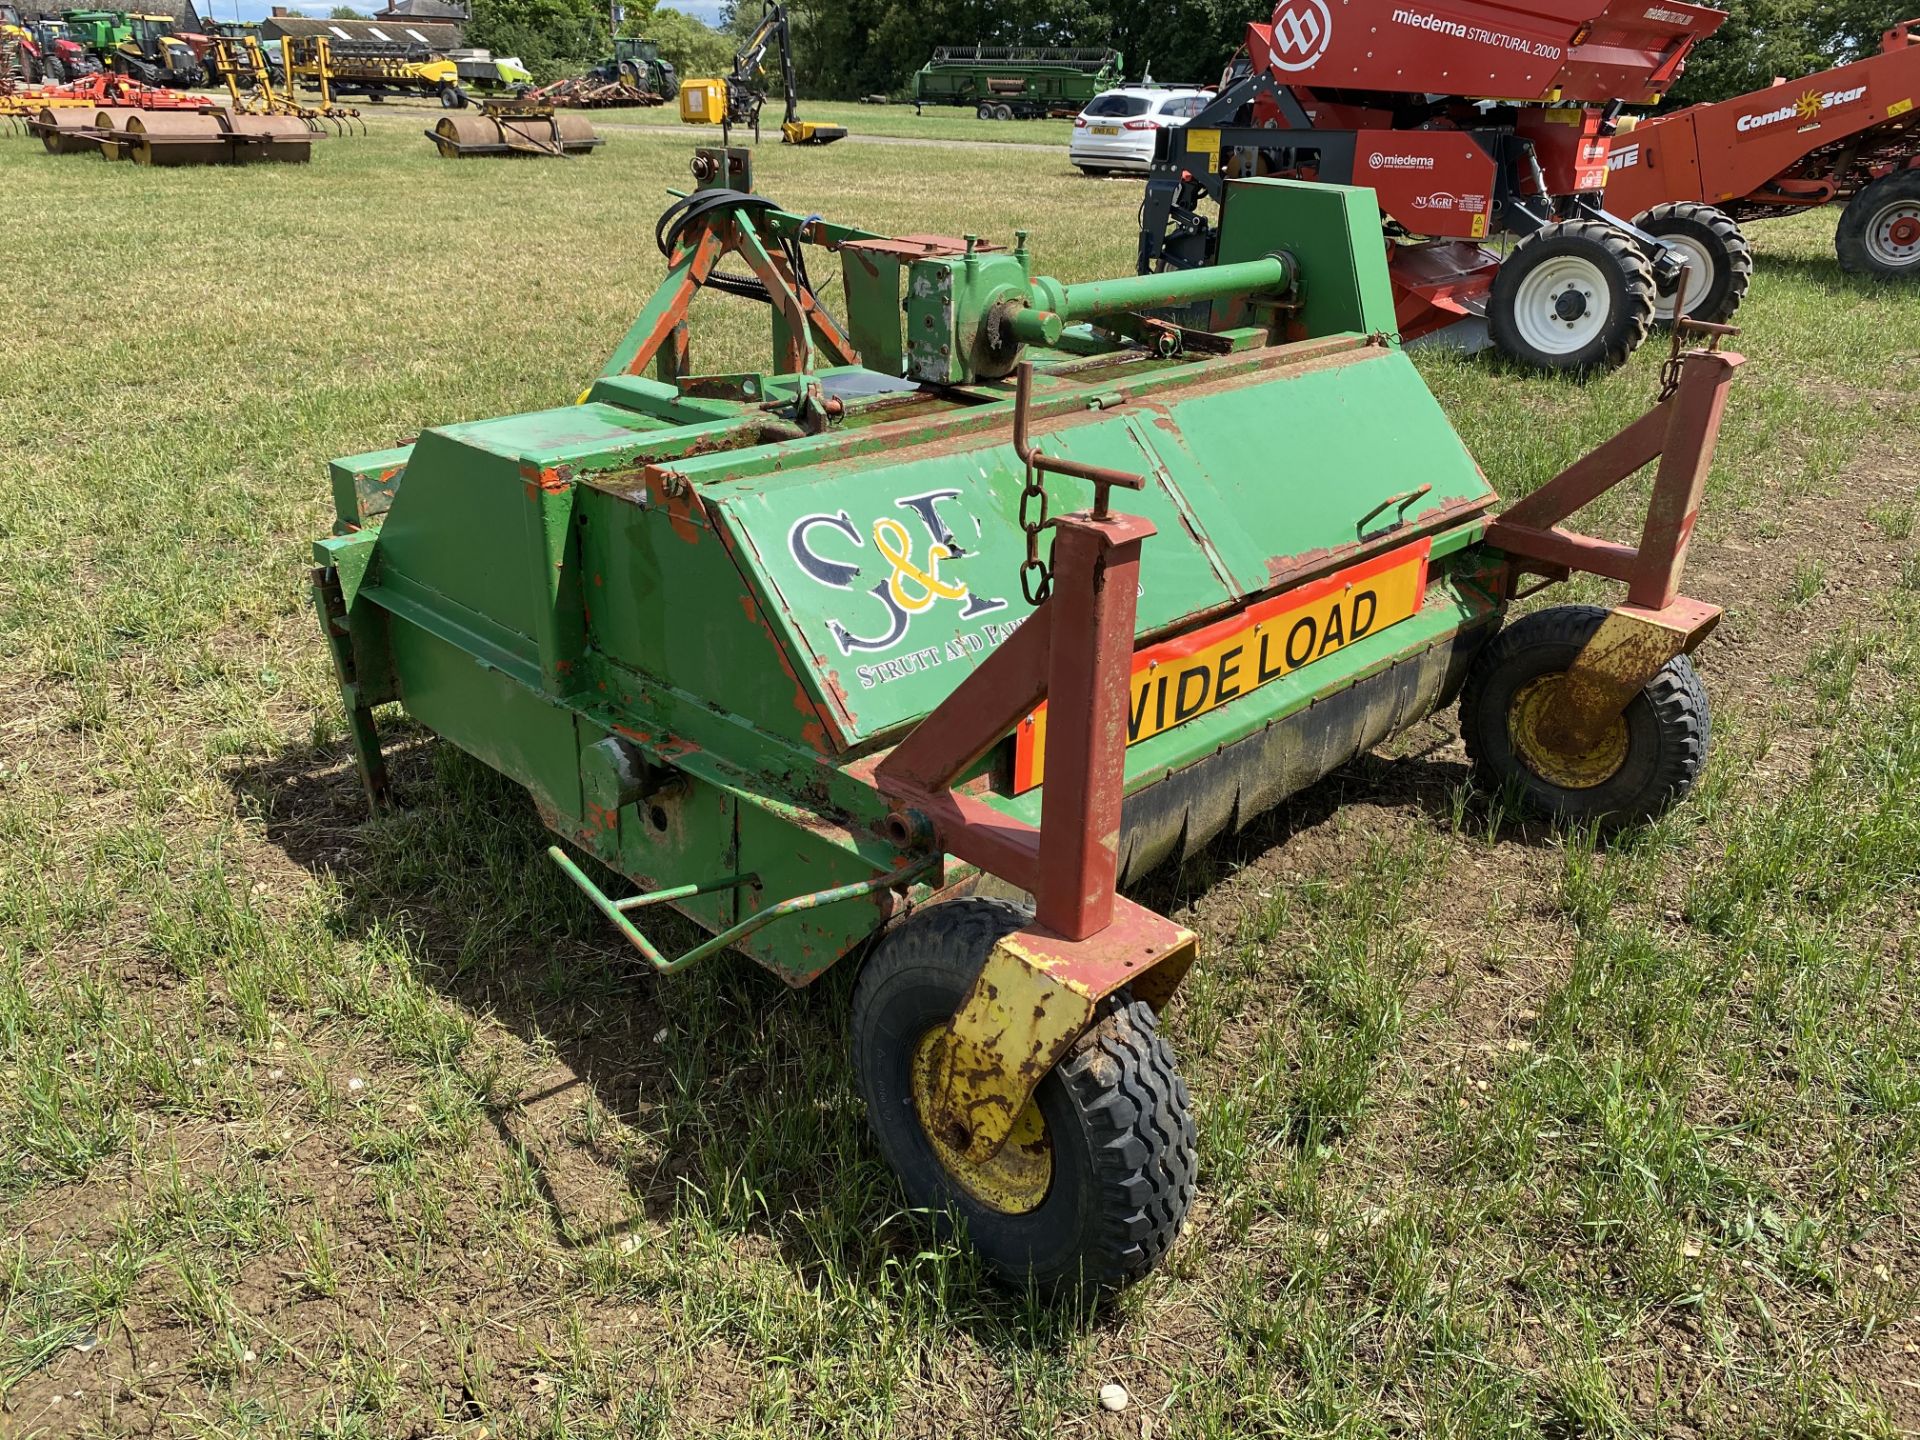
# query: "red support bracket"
{"type": "Point", "coordinates": [1680, 432]}
{"type": "Point", "coordinates": [1075, 652]}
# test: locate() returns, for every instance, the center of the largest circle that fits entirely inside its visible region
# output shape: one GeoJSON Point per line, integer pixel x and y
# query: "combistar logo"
{"type": "Point", "coordinates": [1301, 30]}
{"type": "Point", "coordinates": [1377, 161]}
{"type": "Point", "coordinates": [1807, 107]}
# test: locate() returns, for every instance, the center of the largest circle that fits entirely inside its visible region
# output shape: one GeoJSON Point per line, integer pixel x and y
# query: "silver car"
{"type": "Point", "coordinates": [1116, 131]}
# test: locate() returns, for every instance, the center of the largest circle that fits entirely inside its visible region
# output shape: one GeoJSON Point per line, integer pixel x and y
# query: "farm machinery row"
{"type": "Point", "coordinates": [985, 596]}
{"type": "Point", "coordinates": [1482, 120]}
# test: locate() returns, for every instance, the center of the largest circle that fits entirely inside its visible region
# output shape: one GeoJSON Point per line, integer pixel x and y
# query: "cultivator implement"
{"type": "Point", "coordinates": [993, 585]}
{"type": "Point", "coordinates": [514, 128]}
{"type": "Point", "coordinates": [1488, 118]}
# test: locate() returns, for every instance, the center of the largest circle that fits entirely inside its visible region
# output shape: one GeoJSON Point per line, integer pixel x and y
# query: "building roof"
{"type": "Point", "coordinates": [455, 10]}
{"type": "Point", "coordinates": [437, 36]}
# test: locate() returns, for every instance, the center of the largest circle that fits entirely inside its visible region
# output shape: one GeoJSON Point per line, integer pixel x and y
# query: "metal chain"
{"type": "Point", "coordinates": [1670, 372]}
{"type": "Point", "coordinates": [1036, 579]}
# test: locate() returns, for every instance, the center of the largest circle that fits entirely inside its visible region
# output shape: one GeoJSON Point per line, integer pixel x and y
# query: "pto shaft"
{"type": "Point", "coordinates": [1051, 306]}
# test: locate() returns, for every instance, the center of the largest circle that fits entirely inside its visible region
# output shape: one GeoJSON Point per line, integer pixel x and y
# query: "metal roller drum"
{"type": "Point", "coordinates": [284, 138]}
{"type": "Point", "coordinates": [176, 138]}
{"type": "Point", "coordinates": [511, 134]}
{"type": "Point", "coordinates": [65, 131]}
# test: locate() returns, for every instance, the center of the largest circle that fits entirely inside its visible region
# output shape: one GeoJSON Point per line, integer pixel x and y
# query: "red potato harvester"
{"type": "Point", "coordinates": [1469, 119]}
{"type": "Point", "coordinates": [1850, 133]}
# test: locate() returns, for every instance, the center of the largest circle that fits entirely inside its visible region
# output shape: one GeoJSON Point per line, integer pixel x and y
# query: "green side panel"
{"type": "Point", "coordinates": [458, 527]}
{"type": "Point", "coordinates": [793, 861]}
{"type": "Point", "coordinates": [1333, 231]}
{"type": "Point", "coordinates": [664, 597]}
{"type": "Point", "coordinates": [492, 717]}
{"type": "Point", "coordinates": [682, 836]}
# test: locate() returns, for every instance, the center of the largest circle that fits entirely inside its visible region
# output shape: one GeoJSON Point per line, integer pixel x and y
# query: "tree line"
{"type": "Point", "coordinates": [851, 49]}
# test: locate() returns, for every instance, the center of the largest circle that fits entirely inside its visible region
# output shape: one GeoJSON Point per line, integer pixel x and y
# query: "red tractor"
{"type": "Point", "coordinates": [1851, 133]}
{"type": "Point", "coordinates": [1469, 119]}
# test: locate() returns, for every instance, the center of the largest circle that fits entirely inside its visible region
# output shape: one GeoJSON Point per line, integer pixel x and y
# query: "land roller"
{"type": "Point", "coordinates": [988, 595]}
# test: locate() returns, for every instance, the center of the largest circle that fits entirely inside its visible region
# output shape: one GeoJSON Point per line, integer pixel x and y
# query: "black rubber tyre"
{"type": "Point", "coordinates": [1879, 233]}
{"type": "Point", "coordinates": [1117, 1115]}
{"type": "Point", "coordinates": [983, 112]}
{"type": "Point", "coordinates": [1003, 112]}
{"type": "Point", "coordinates": [1593, 319]}
{"type": "Point", "coordinates": [1667, 725]}
{"type": "Point", "coordinates": [1707, 238]}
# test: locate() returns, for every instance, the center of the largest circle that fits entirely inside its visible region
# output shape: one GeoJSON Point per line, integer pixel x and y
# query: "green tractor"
{"type": "Point", "coordinates": [637, 62]}
{"type": "Point", "coordinates": [144, 47]}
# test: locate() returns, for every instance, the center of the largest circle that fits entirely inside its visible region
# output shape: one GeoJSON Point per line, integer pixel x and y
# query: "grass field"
{"type": "Point", "coordinates": [315, 1126]}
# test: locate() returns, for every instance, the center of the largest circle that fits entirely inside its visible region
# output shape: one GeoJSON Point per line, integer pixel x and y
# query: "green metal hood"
{"type": "Point", "coordinates": [887, 574]}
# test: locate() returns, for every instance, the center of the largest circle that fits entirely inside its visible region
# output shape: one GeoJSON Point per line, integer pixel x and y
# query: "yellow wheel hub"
{"type": "Point", "coordinates": [1533, 724]}
{"type": "Point", "coordinates": [1015, 1180]}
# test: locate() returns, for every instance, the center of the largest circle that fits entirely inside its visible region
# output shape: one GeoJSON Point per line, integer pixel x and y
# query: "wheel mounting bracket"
{"type": "Point", "coordinates": [1035, 995]}
{"type": "Point", "coordinates": [1632, 645]}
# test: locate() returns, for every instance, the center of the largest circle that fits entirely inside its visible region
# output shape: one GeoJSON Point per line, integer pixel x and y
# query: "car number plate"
{"type": "Point", "coordinates": [1182, 679]}
{"type": "Point", "coordinates": [1106, 129]}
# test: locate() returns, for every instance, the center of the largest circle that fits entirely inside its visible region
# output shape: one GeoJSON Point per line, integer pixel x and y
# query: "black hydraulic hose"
{"type": "Point", "coordinates": [692, 210]}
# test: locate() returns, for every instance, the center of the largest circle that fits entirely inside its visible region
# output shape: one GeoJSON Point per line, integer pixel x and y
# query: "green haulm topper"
{"type": "Point", "coordinates": [989, 595]}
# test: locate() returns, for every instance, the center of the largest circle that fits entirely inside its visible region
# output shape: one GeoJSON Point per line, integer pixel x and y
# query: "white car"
{"type": "Point", "coordinates": [1116, 130]}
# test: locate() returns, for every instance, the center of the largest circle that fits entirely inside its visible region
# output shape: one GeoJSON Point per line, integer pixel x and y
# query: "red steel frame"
{"type": "Point", "coordinates": [1679, 432]}
{"type": "Point", "coordinates": [1852, 124]}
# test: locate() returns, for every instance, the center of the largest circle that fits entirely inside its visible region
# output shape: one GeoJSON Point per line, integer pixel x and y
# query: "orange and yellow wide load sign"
{"type": "Point", "coordinates": [1182, 679]}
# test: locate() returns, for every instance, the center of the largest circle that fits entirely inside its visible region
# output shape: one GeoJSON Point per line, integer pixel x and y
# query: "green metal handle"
{"type": "Point", "coordinates": [615, 910]}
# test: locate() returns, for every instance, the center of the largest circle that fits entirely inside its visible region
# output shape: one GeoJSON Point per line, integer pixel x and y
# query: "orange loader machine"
{"type": "Point", "coordinates": [1851, 133]}
{"type": "Point", "coordinates": [1470, 119]}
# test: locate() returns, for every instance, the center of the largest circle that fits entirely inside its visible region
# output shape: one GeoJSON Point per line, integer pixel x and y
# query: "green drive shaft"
{"type": "Point", "coordinates": [1051, 306]}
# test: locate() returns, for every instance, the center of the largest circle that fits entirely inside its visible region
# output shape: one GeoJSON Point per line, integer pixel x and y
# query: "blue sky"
{"type": "Point", "coordinates": [707, 10]}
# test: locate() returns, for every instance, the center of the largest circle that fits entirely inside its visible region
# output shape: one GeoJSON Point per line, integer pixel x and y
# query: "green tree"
{"type": "Point", "coordinates": [1765, 39]}
{"type": "Point", "coordinates": [344, 12]}
{"type": "Point", "coordinates": [551, 37]}
{"type": "Point", "coordinates": [692, 48]}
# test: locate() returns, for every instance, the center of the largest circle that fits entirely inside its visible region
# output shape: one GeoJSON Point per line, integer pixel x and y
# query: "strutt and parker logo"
{"type": "Point", "coordinates": [831, 549]}
{"type": "Point", "coordinates": [1301, 30]}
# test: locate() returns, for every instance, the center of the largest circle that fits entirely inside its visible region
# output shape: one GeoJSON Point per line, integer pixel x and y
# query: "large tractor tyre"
{"type": "Point", "coordinates": [1575, 295]}
{"type": "Point", "coordinates": [1090, 1190]}
{"type": "Point", "coordinates": [1879, 232]}
{"type": "Point", "coordinates": [1718, 259]}
{"type": "Point", "coordinates": [1644, 764]}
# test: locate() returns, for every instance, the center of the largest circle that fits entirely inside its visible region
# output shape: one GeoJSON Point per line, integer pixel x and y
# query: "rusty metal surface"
{"type": "Point", "coordinates": [1031, 1000]}
{"type": "Point", "coordinates": [1570, 727]}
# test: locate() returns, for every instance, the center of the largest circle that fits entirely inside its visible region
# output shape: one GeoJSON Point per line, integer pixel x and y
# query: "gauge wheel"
{"type": "Point", "coordinates": [1718, 259]}
{"type": "Point", "coordinates": [1879, 232]}
{"type": "Point", "coordinates": [1642, 766]}
{"type": "Point", "coordinates": [1090, 1190]}
{"type": "Point", "coordinates": [1575, 295]}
